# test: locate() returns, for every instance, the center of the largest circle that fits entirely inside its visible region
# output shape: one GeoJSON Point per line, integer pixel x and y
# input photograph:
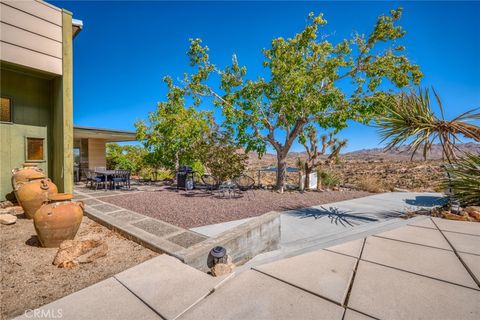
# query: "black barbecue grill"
{"type": "Point", "coordinates": [185, 179]}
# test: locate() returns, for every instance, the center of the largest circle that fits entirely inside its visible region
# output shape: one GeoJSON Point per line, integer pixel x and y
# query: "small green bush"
{"type": "Point", "coordinates": [328, 179]}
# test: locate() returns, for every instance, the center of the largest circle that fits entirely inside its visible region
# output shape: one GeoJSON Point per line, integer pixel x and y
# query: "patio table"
{"type": "Point", "coordinates": [106, 174]}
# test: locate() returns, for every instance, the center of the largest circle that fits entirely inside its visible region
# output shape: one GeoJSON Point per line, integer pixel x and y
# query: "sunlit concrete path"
{"type": "Point", "coordinates": [426, 269]}
{"type": "Point", "coordinates": [339, 216]}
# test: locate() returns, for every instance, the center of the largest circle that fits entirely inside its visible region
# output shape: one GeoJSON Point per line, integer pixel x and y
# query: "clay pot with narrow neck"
{"type": "Point", "coordinates": [28, 173]}
{"type": "Point", "coordinates": [31, 195]}
{"type": "Point", "coordinates": [58, 220]}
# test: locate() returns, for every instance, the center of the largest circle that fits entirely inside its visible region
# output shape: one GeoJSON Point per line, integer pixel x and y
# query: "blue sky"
{"type": "Point", "coordinates": [127, 47]}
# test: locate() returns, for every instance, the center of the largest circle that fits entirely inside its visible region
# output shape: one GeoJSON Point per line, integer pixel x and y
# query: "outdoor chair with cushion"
{"type": "Point", "coordinates": [96, 179]}
{"type": "Point", "coordinates": [122, 178]}
{"type": "Point", "coordinates": [244, 184]}
{"type": "Point", "coordinates": [210, 182]}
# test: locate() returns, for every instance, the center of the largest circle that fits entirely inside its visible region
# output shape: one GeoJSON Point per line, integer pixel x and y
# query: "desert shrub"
{"type": "Point", "coordinates": [465, 179]}
{"type": "Point", "coordinates": [221, 157]}
{"type": "Point", "coordinates": [371, 184]}
{"type": "Point", "coordinates": [328, 179]}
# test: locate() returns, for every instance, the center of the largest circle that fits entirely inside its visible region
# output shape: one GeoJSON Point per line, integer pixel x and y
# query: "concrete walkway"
{"type": "Point", "coordinates": [428, 269]}
{"type": "Point", "coordinates": [339, 216]}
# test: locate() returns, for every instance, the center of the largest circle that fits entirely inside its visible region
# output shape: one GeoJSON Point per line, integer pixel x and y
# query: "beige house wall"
{"type": "Point", "coordinates": [31, 35]}
{"type": "Point", "coordinates": [96, 153]}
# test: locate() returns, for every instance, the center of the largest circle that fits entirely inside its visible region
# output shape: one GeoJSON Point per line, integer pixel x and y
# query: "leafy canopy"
{"type": "Point", "coordinates": [125, 157]}
{"type": "Point", "coordinates": [173, 131]}
{"type": "Point", "coordinates": [304, 84]}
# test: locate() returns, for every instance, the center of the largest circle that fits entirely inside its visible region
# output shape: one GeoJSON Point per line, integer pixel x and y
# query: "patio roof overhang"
{"type": "Point", "coordinates": [109, 135]}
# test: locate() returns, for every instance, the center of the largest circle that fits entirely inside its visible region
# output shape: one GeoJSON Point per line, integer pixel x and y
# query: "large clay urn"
{"type": "Point", "coordinates": [31, 195]}
{"type": "Point", "coordinates": [58, 220]}
{"type": "Point", "coordinates": [28, 173]}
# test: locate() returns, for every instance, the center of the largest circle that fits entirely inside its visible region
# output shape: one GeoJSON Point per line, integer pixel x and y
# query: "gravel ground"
{"type": "Point", "coordinates": [198, 208]}
{"type": "Point", "coordinates": [29, 280]}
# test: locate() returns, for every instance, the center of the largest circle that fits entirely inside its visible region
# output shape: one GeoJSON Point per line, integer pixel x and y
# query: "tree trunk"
{"type": "Point", "coordinates": [281, 172]}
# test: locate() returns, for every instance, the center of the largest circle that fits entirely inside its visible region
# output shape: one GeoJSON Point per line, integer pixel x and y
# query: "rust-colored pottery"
{"type": "Point", "coordinates": [28, 173]}
{"type": "Point", "coordinates": [31, 195]}
{"type": "Point", "coordinates": [58, 220]}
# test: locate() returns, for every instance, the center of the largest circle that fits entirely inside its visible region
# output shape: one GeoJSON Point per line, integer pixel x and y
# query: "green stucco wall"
{"type": "Point", "coordinates": [31, 99]}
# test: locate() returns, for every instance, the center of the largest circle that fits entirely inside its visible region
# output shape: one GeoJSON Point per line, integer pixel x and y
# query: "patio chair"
{"type": "Point", "coordinates": [210, 182]}
{"type": "Point", "coordinates": [245, 183]}
{"type": "Point", "coordinates": [96, 179]}
{"type": "Point", "coordinates": [88, 177]}
{"type": "Point", "coordinates": [121, 177]}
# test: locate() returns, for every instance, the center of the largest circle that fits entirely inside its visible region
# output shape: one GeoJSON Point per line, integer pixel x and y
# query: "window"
{"type": "Point", "coordinates": [34, 149]}
{"type": "Point", "coordinates": [5, 110]}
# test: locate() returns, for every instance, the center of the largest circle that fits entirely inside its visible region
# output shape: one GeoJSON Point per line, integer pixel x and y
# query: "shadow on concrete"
{"type": "Point", "coordinates": [339, 217]}
{"type": "Point", "coordinates": [427, 201]}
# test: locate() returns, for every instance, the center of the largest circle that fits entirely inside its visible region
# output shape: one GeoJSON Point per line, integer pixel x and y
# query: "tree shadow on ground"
{"type": "Point", "coordinates": [427, 201]}
{"type": "Point", "coordinates": [343, 217]}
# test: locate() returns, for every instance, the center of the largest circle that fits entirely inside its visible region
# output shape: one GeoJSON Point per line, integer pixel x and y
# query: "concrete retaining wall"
{"type": "Point", "coordinates": [243, 242]}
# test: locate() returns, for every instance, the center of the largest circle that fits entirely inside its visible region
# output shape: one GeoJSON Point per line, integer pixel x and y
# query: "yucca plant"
{"type": "Point", "coordinates": [464, 179]}
{"type": "Point", "coordinates": [409, 119]}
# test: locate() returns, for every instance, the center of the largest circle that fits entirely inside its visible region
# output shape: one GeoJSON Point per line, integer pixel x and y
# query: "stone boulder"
{"type": "Point", "coordinates": [7, 218]}
{"type": "Point", "coordinates": [74, 252]}
{"type": "Point", "coordinates": [5, 204]}
{"type": "Point", "coordinates": [474, 212]}
{"type": "Point", "coordinates": [221, 269]}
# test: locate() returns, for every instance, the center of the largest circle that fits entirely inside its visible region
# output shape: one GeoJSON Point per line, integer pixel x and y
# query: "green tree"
{"type": "Point", "coordinates": [173, 130]}
{"type": "Point", "coordinates": [304, 85]}
{"type": "Point", "coordinates": [126, 157]}
{"type": "Point", "coordinates": [315, 150]}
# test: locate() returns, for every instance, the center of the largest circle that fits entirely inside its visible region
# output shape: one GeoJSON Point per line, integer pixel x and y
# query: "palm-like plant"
{"type": "Point", "coordinates": [409, 119]}
{"type": "Point", "coordinates": [464, 179]}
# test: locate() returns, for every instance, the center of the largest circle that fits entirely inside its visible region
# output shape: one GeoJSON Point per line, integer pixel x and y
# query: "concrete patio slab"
{"type": "Point", "coordinates": [473, 263]}
{"type": "Point", "coordinates": [418, 259]}
{"type": "Point", "coordinates": [353, 315]}
{"type": "Point", "coordinates": [464, 242]}
{"type": "Point", "coordinates": [351, 248]}
{"type": "Point", "coordinates": [423, 236]}
{"type": "Point", "coordinates": [425, 223]}
{"type": "Point", "coordinates": [167, 285]}
{"type": "Point", "coordinates": [156, 227]}
{"type": "Point", "coordinates": [106, 300]}
{"type": "Point", "coordinates": [106, 208]}
{"type": "Point", "coordinates": [387, 293]}
{"type": "Point", "coordinates": [126, 216]}
{"type": "Point", "coordinates": [324, 273]}
{"type": "Point", "coordinates": [467, 227]}
{"type": "Point", "coordinates": [213, 230]}
{"type": "Point", "coordinates": [187, 239]}
{"type": "Point", "coordinates": [253, 295]}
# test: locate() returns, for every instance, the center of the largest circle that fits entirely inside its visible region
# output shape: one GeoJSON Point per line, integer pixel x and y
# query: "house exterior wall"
{"type": "Point", "coordinates": [32, 35]}
{"type": "Point", "coordinates": [96, 153]}
{"type": "Point", "coordinates": [36, 74]}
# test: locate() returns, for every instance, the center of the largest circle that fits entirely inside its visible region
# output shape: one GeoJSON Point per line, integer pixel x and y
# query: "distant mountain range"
{"type": "Point", "coordinates": [403, 153]}
{"type": "Point", "coordinates": [376, 153]}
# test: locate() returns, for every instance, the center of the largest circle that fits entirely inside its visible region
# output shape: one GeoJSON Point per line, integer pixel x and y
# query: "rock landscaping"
{"type": "Point", "coordinates": [30, 278]}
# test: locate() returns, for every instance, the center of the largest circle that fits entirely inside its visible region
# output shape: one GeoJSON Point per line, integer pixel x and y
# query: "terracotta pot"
{"type": "Point", "coordinates": [31, 195]}
{"type": "Point", "coordinates": [26, 174]}
{"type": "Point", "coordinates": [58, 220]}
